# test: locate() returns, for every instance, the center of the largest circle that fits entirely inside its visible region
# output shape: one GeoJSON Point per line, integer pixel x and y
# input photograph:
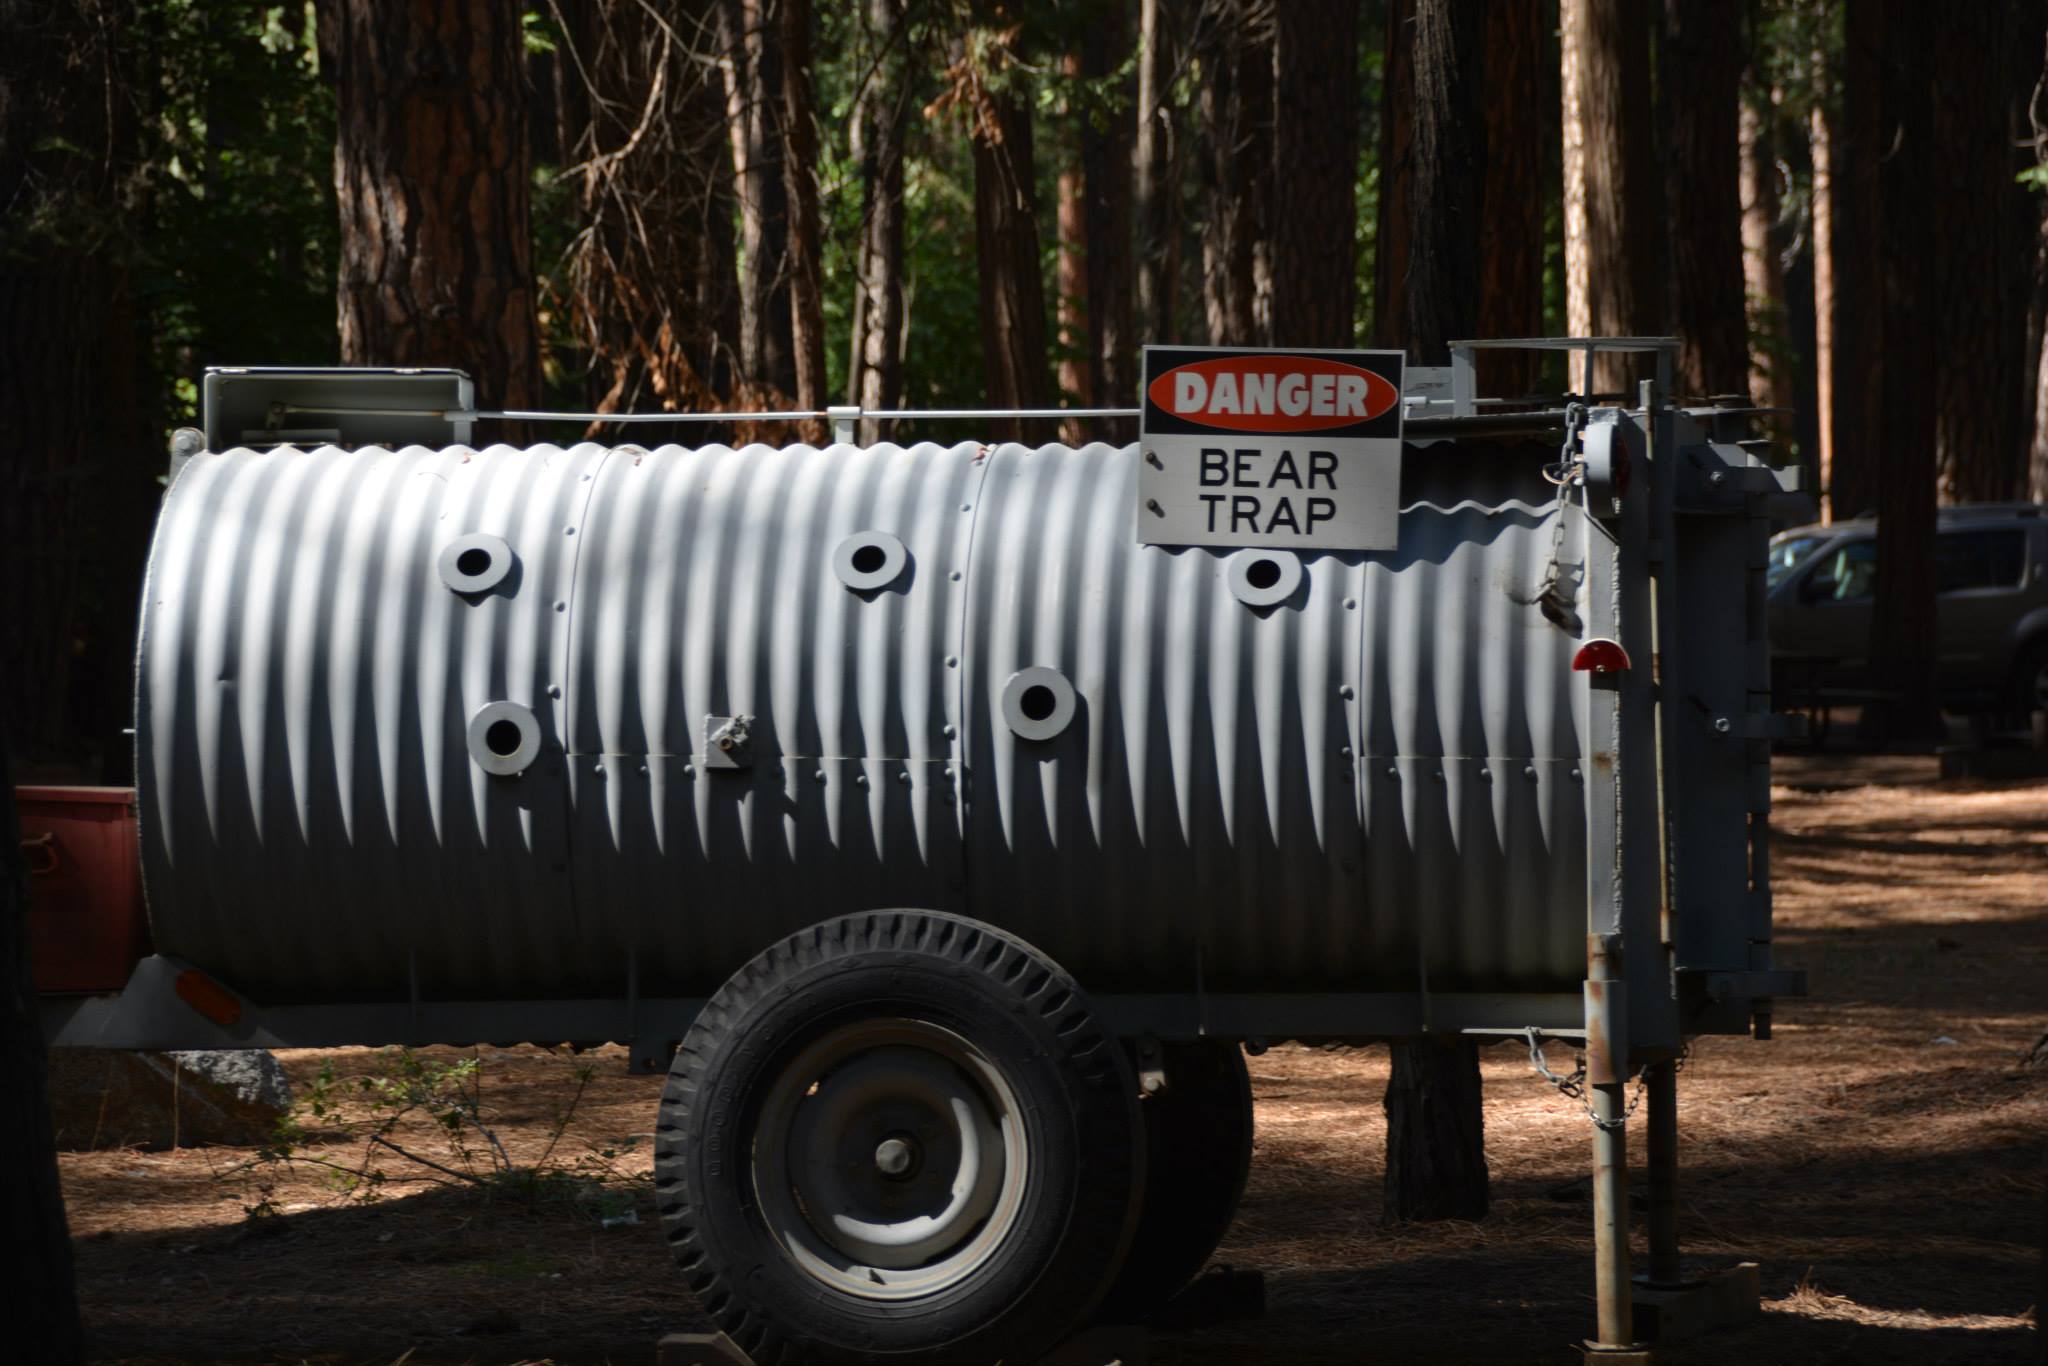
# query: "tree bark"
{"type": "Point", "coordinates": [1763, 272]}
{"type": "Point", "coordinates": [2035, 120]}
{"type": "Point", "coordinates": [1511, 191]}
{"type": "Point", "coordinates": [78, 487]}
{"type": "Point", "coordinates": [1237, 121]}
{"type": "Point", "coordinates": [1106, 171]}
{"type": "Point", "coordinates": [1396, 156]}
{"type": "Point", "coordinates": [1436, 1138]}
{"type": "Point", "coordinates": [1607, 142]}
{"type": "Point", "coordinates": [800, 186]}
{"type": "Point", "coordinates": [1982, 263]}
{"type": "Point", "coordinates": [44, 1324]}
{"type": "Point", "coordinates": [1902, 631]}
{"type": "Point", "coordinates": [433, 179]}
{"type": "Point", "coordinates": [1701, 70]}
{"type": "Point", "coordinates": [1315, 166]}
{"type": "Point", "coordinates": [1854, 152]}
{"type": "Point", "coordinates": [752, 65]}
{"type": "Point", "coordinates": [1155, 197]}
{"type": "Point", "coordinates": [652, 292]}
{"type": "Point", "coordinates": [1820, 145]}
{"type": "Point", "coordinates": [1450, 150]}
{"type": "Point", "coordinates": [877, 367]}
{"type": "Point", "coordinates": [1006, 242]}
{"type": "Point", "coordinates": [1076, 375]}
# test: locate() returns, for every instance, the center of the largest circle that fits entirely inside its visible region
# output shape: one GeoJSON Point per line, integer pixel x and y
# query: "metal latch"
{"type": "Point", "coordinates": [727, 742]}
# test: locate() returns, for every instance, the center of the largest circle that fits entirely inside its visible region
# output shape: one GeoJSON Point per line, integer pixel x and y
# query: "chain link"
{"type": "Point", "coordinates": [1567, 472]}
{"type": "Point", "coordinates": [1574, 1086]}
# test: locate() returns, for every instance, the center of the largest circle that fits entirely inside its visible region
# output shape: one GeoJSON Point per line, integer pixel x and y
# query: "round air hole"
{"type": "Point", "coordinates": [475, 563]}
{"type": "Point", "coordinates": [868, 561]}
{"type": "Point", "coordinates": [1264, 578]}
{"type": "Point", "coordinates": [1038, 703]}
{"type": "Point", "coordinates": [504, 738]}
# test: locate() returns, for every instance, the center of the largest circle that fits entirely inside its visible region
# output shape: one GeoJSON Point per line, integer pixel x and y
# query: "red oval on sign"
{"type": "Point", "coordinates": [1272, 393]}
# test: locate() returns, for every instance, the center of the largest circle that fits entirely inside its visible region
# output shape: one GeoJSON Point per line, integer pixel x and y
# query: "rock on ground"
{"type": "Point", "coordinates": [113, 1098]}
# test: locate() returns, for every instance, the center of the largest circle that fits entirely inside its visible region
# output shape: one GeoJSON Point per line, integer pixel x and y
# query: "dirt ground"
{"type": "Point", "coordinates": [1882, 1159]}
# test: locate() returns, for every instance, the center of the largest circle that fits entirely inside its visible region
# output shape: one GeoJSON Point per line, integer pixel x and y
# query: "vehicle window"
{"type": "Point", "coordinates": [1786, 553]}
{"type": "Point", "coordinates": [1847, 573]}
{"type": "Point", "coordinates": [1979, 559]}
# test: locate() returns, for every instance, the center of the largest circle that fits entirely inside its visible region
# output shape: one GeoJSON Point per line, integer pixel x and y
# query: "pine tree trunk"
{"type": "Point", "coordinates": [1615, 268]}
{"type": "Point", "coordinates": [1006, 242]}
{"type": "Point", "coordinates": [1155, 198]}
{"type": "Point", "coordinates": [1511, 191]}
{"type": "Point", "coordinates": [1820, 145]}
{"type": "Point", "coordinates": [1763, 273]}
{"type": "Point", "coordinates": [1701, 67]}
{"type": "Point", "coordinates": [1436, 1138]}
{"type": "Point", "coordinates": [1857, 328]}
{"type": "Point", "coordinates": [1981, 259]}
{"type": "Point", "coordinates": [1903, 614]}
{"type": "Point", "coordinates": [800, 186]}
{"type": "Point", "coordinates": [1449, 153]}
{"type": "Point", "coordinates": [434, 185]}
{"type": "Point", "coordinates": [750, 41]}
{"type": "Point", "coordinates": [1315, 167]}
{"type": "Point", "coordinates": [1106, 171]}
{"type": "Point", "coordinates": [877, 366]}
{"type": "Point", "coordinates": [1076, 376]}
{"type": "Point", "coordinates": [2034, 120]}
{"type": "Point", "coordinates": [1237, 112]}
{"type": "Point", "coordinates": [1396, 156]}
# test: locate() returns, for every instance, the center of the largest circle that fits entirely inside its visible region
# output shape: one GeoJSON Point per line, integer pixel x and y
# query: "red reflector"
{"type": "Point", "coordinates": [208, 997]}
{"type": "Point", "coordinates": [1601, 656]}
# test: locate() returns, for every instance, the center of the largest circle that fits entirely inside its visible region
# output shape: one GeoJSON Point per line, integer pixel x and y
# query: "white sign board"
{"type": "Point", "coordinates": [1293, 449]}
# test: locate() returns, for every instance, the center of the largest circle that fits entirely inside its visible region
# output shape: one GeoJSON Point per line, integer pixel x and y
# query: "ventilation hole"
{"type": "Point", "coordinates": [869, 559]}
{"type": "Point", "coordinates": [1262, 574]}
{"type": "Point", "coordinates": [1038, 702]}
{"type": "Point", "coordinates": [502, 738]}
{"type": "Point", "coordinates": [474, 561]}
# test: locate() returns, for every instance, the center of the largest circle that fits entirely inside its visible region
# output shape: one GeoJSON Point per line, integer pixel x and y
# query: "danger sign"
{"type": "Point", "coordinates": [1300, 449]}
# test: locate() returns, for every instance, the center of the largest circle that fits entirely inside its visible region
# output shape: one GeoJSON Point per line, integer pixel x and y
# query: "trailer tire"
{"type": "Point", "coordinates": [1198, 1141]}
{"type": "Point", "coordinates": [900, 1136]}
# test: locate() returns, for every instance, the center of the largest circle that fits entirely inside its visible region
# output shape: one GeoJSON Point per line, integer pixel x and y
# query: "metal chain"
{"type": "Point", "coordinates": [1574, 1086]}
{"type": "Point", "coordinates": [1567, 471]}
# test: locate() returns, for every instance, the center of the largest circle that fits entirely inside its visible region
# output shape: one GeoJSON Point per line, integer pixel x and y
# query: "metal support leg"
{"type": "Point", "coordinates": [1660, 1080]}
{"type": "Point", "coordinates": [1607, 1083]}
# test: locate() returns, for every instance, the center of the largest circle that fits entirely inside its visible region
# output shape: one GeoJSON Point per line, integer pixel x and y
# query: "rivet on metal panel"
{"type": "Point", "coordinates": [948, 731]}
{"type": "Point", "coordinates": [568, 531]}
{"type": "Point", "coordinates": [1438, 775]}
{"type": "Point", "coordinates": [860, 780]}
{"type": "Point", "coordinates": [819, 776]}
{"type": "Point", "coordinates": [1152, 506]}
{"type": "Point", "coordinates": [1577, 776]}
{"type": "Point", "coordinates": [904, 777]}
{"type": "Point", "coordinates": [1347, 692]}
{"type": "Point", "coordinates": [956, 576]}
{"type": "Point", "coordinates": [967, 507]}
{"type": "Point", "coordinates": [561, 606]}
{"type": "Point", "coordinates": [1152, 459]}
{"type": "Point", "coordinates": [952, 661]}
{"type": "Point", "coordinates": [1351, 604]}
{"type": "Point", "coordinates": [1394, 773]}
{"type": "Point", "coordinates": [554, 690]}
{"type": "Point", "coordinates": [689, 770]}
{"type": "Point", "coordinates": [1485, 775]}
{"type": "Point", "coordinates": [1345, 751]}
{"type": "Point", "coordinates": [1530, 773]}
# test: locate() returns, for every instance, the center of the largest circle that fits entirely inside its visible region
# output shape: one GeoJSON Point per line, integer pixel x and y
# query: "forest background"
{"type": "Point", "coordinates": [738, 205]}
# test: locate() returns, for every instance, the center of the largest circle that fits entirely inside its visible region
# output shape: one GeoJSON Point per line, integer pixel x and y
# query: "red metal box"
{"type": "Point", "coordinates": [86, 925]}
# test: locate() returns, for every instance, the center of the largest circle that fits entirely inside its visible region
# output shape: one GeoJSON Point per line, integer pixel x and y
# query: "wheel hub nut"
{"type": "Point", "coordinates": [894, 1157]}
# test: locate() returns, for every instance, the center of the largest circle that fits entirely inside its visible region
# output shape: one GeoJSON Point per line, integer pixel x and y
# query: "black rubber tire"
{"type": "Point", "coordinates": [1198, 1142]}
{"type": "Point", "coordinates": [1078, 1114]}
{"type": "Point", "coordinates": [2028, 668]}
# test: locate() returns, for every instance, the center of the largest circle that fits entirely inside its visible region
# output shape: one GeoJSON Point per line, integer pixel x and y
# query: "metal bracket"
{"type": "Point", "coordinates": [1750, 983]}
{"type": "Point", "coordinates": [728, 742]}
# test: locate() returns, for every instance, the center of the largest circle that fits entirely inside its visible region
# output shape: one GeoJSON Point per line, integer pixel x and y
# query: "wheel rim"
{"type": "Point", "coordinates": [890, 1160]}
{"type": "Point", "coordinates": [2040, 695]}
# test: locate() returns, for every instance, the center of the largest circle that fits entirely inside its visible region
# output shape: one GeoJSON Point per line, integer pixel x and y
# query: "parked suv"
{"type": "Point", "coordinates": [1991, 582]}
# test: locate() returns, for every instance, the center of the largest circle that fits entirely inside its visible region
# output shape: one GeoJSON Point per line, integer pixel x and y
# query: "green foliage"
{"type": "Point", "coordinates": [413, 1120]}
{"type": "Point", "coordinates": [238, 264]}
